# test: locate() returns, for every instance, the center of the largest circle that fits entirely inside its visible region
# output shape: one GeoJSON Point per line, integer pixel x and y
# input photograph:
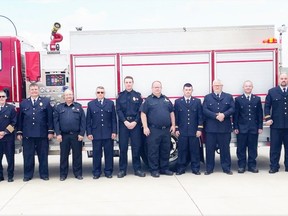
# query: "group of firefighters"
{"type": "Point", "coordinates": [150, 122]}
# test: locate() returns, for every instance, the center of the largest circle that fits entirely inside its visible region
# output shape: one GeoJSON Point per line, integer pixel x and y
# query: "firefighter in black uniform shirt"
{"type": "Point", "coordinates": [35, 127]}
{"type": "Point", "coordinates": [277, 101]}
{"type": "Point", "coordinates": [128, 109]}
{"type": "Point", "coordinates": [158, 121]}
{"type": "Point", "coordinates": [8, 120]}
{"type": "Point", "coordinates": [70, 126]}
{"type": "Point", "coordinates": [248, 124]}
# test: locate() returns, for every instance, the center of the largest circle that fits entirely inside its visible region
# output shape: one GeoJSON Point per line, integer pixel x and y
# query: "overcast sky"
{"type": "Point", "coordinates": [34, 18]}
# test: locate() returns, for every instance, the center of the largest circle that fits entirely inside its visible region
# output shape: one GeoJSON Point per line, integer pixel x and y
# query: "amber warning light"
{"type": "Point", "coordinates": [270, 40]}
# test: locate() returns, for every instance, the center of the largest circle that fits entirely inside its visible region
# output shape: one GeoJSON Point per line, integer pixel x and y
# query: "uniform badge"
{"type": "Point", "coordinates": [73, 108]}
{"type": "Point", "coordinates": [135, 99]}
{"type": "Point", "coordinates": [77, 109]}
{"type": "Point", "coordinates": [41, 104]}
{"type": "Point", "coordinates": [166, 100]}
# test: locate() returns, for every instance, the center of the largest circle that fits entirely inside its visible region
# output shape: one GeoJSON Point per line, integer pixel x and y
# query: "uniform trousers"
{"type": "Point", "coordinates": [247, 141]}
{"type": "Point", "coordinates": [188, 147]}
{"type": "Point", "coordinates": [136, 143]}
{"type": "Point", "coordinates": [98, 146]}
{"type": "Point", "coordinates": [158, 147]}
{"type": "Point", "coordinates": [222, 140]}
{"type": "Point", "coordinates": [41, 146]}
{"type": "Point", "coordinates": [70, 141]}
{"type": "Point", "coordinates": [278, 136]}
{"type": "Point", "coordinates": [7, 148]}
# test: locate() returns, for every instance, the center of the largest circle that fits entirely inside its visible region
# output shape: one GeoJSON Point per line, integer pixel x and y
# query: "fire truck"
{"type": "Point", "coordinates": [174, 56]}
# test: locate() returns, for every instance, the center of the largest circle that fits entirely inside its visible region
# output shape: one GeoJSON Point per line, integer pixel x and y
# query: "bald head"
{"type": "Point", "coordinates": [283, 80]}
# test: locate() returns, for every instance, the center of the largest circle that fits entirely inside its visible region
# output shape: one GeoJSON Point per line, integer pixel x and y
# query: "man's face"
{"type": "Point", "coordinates": [2, 98]}
{"type": "Point", "coordinates": [128, 84]}
{"type": "Point", "coordinates": [100, 93]}
{"type": "Point", "coordinates": [157, 88]}
{"type": "Point", "coordinates": [283, 80]}
{"type": "Point", "coordinates": [247, 87]}
{"type": "Point", "coordinates": [68, 97]}
{"type": "Point", "coordinates": [217, 87]}
{"type": "Point", "coordinates": [34, 91]}
{"type": "Point", "coordinates": [187, 91]}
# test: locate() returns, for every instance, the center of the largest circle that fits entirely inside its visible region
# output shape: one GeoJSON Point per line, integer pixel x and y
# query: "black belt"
{"type": "Point", "coordinates": [160, 127]}
{"type": "Point", "coordinates": [71, 132]}
{"type": "Point", "coordinates": [130, 118]}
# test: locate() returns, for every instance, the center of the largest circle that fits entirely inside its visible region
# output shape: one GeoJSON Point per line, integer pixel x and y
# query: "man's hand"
{"type": "Point", "coordinates": [269, 122]}
{"type": "Point", "coordinates": [59, 138]}
{"type": "Point", "coordinates": [146, 131]}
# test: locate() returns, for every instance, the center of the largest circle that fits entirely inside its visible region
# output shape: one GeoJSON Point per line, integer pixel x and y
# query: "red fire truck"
{"type": "Point", "coordinates": [173, 56]}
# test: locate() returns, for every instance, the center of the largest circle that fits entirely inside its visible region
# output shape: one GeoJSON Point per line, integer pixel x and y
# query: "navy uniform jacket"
{"type": "Point", "coordinates": [189, 118]}
{"type": "Point", "coordinates": [8, 119]}
{"type": "Point", "coordinates": [248, 116]}
{"type": "Point", "coordinates": [101, 120]}
{"type": "Point", "coordinates": [211, 106]}
{"type": "Point", "coordinates": [69, 119]}
{"type": "Point", "coordinates": [128, 105]}
{"type": "Point", "coordinates": [157, 110]}
{"type": "Point", "coordinates": [37, 120]}
{"type": "Point", "coordinates": [278, 101]}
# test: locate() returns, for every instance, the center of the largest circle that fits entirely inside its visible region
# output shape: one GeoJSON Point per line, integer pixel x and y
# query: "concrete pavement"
{"type": "Point", "coordinates": [188, 194]}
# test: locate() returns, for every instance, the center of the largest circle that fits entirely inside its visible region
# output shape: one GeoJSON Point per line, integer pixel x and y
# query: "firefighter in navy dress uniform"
{"type": "Point", "coordinates": [8, 118]}
{"type": "Point", "coordinates": [128, 109]}
{"type": "Point", "coordinates": [218, 107]}
{"type": "Point", "coordinates": [70, 126]}
{"type": "Point", "coordinates": [189, 125]}
{"type": "Point", "coordinates": [277, 101]}
{"type": "Point", "coordinates": [101, 124]}
{"type": "Point", "coordinates": [35, 127]}
{"type": "Point", "coordinates": [248, 124]}
{"type": "Point", "coordinates": [158, 119]}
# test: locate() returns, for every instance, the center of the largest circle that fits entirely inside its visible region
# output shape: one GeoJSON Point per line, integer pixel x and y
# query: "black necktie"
{"type": "Point", "coordinates": [284, 90]}
{"type": "Point", "coordinates": [248, 97]}
{"type": "Point", "coordinates": [218, 96]}
{"type": "Point", "coordinates": [187, 101]}
{"type": "Point", "coordinates": [34, 102]}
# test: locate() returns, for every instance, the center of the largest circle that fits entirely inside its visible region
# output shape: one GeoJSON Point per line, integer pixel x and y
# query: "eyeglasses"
{"type": "Point", "coordinates": [100, 92]}
{"type": "Point", "coordinates": [2, 96]}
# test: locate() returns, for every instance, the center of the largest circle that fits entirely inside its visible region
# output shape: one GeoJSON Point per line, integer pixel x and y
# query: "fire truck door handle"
{"type": "Point", "coordinates": [12, 83]}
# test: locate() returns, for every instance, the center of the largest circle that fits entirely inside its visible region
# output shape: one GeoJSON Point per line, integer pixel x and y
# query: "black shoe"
{"type": "Point", "coordinates": [1, 179]}
{"type": "Point", "coordinates": [96, 176]}
{"type": "Point", "coordinates": [253, 170]}
{"type": "Point", "coordinates": [140, 173]}
{"type": "Point", "coordinates": [108, 175]}
{"type": "Point", "coordinates": [121, 174]}
{"type": "Point", "coordinates": [62, 178]}
{"type": "Point", "coordinates": [167, 172]}
{"type": "Point", "coordinates": [228, 172]}
{"type": "Point", "coordinates": [10, 179]}
{"type": "Point", "coordinates": [79, 177]}
{"type": "Point", "coordinates": [45, 178]}
{"type": "Point", "coordinates": [155, 174]}
{"type": "Point", "coordinates": [286, 169]}
{"type": "Point", "coordinates": [180, 172]}
{"type": "Point", "coordinates": [272, 171]}
{"type": "Point", "coordinates": [196, 172]}
{"type": "Point", "coordinates": [25, 179]}
{"type": "Point", "coordinates": [241, 170]}
{"type": "Point", "coordinates": [208, 172]}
